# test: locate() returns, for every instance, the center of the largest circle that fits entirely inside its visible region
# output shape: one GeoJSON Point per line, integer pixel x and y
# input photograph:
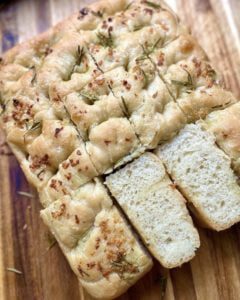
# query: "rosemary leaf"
{"type": "Point", "coordinates": [137, 27]}
{"type": "Point", "coordinates": [98, 13]}
{"type": "Point", "coordinates": [35, 126]}
{"type": "Point", "coordinates": [51, 242]}
{"type": "Point", "coordinates": [181, 83]}
{"type": "Point", "coordinates": [14, 271]}
{"type": "Point", "coordinates": [26, 194]}
{"type": "Point", "coordinates": [34, 75]}
{"type": "Point", "coordinates": [148, 50]}
{"type": "Point", "coordinates": [152, 4]}
{"type": "Point", "coordinates": [163, 285]}
{"type": "Point", "coordinates": [221, 105]}
{"type": "Point", "coordinates": [129, 5]}
{"type": "Point", "coordinates": [3, 106]}
{"type": "Point", "coordinates": [95, 62]}
{"type": "Point", "coordinates": [89, 96]}
{"type": "Point", "coordinates": [188, 83]}
{"type": "Point", "coordinates": [80, 54]}
{"type": "Point", "coordinates": [105, 41]}
{"type": "Point", "coordinates": [146, 79]}
{"type": "Point", "coordinates": [125, 108]}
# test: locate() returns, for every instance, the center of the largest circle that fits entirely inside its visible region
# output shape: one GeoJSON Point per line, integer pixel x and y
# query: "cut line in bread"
{"type": "Point", "coordinates": [156, 209]}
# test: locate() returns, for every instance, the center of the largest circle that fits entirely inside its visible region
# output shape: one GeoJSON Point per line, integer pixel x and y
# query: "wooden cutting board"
{"type": "Point", "coordinates": [25, 243]}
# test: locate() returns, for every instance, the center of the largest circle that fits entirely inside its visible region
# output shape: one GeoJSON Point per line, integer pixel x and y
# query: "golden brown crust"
{"type": "Point", "coordinates": [225, 125]}
{"type": "Point", "coordinates": [95, 91]}
{"type": "Point", "coordinates": [99, 245]}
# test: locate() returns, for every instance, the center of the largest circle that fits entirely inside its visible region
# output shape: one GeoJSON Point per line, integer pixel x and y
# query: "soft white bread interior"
{"type": "Point", "coordinates": [203, 174]}
{"type": "Point", "coordinates": [156, 209]}
{"type": "Point", "coordinates": [101, 248]}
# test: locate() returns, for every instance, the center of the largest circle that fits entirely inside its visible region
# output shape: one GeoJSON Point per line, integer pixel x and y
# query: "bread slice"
{"type": "Point", "coordinates": [203, 173]}
{"type": "Point", "coordinates": [156, 209]}
{"type": "Point", "coordinates": [225, 125]}
{"type": "Point", "coordinates": [96, 239]}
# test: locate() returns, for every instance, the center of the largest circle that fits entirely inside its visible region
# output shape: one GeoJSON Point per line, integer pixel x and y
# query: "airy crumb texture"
{"type": "Point", "coordinates": [203, 173]}
{"type": "Point", "coordinates": [97, 241]}
{"type": "Point", "coordinates": [156, 208]}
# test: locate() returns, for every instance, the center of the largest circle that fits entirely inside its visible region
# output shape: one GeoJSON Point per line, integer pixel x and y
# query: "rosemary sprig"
{"type": "Point", "coordinates": [111, 89]}
{"type": "Point", "coordinates": [188, 83]}
{"type": "Point", "coordinates": [152, 4]}
{"type": "Point", "coordinates": [89, 96]}
{"type": "Point", "coordinates": [105, 41]}
{"type": "Point", "coordinates": [95, 62]}
{"type": "Point", "coordinates": [14, 271]}
{"type": "Point", "coordinates": [34, 75]}
{"type": "Point", "coordinates": [35, 126]}
{"type": "Point", "coordinates": [80, 54]}
{"type": "Point", "coordinates": [147, 51]}
{"type": "Point", "coordinates": [128, 6]}
{"type": "Point", "coordinates": [125, 108]}
{"type": "Point", "coordinates": [122, 265]}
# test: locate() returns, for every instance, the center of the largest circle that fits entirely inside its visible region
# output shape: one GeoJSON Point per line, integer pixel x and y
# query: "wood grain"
{"type": "Point", "coordinates": [24, 241]}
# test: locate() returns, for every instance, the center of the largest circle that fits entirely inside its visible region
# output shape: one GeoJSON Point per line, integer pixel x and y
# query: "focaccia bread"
{"type": "Point", "coordinates": [91, 94]}
{"type": "Point", "coordinates": [96, 240]}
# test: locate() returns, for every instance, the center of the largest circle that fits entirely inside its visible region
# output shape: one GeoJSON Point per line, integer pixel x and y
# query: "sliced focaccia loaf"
{"type": "Point", "coordinates": [97, 241]}
{"type": "Point", "coordinates": [225, 125]}
{"type": "Point", "coordinates": [203, 174]}
{"type": "Point", "coordinates": [91, 94]}
{"type": "Point", "coordinates": [156, 209]}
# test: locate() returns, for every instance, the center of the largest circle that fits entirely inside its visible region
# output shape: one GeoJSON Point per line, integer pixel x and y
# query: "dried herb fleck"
{"type": "Point", "coordinates": [163, 285]}
{"type": "Point", "coordinates": [14, 271]}
{"type": "Point", "coordinates": [25, 194]}
{"type": "Point", "coordinates": [137, 27]}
